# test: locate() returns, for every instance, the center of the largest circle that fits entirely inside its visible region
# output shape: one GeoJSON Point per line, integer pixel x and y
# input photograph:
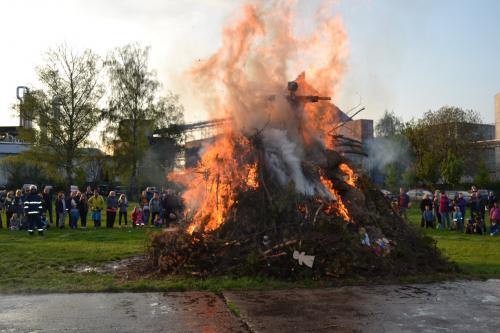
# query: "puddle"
{"type": "Point", "coordinates": [110, 267]}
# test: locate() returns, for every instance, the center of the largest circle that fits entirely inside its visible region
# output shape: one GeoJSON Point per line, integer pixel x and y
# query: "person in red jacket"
{"type": "Point", "coordinates": [403, 203]}
{"type": "Point", "coordinates": [444, 209]}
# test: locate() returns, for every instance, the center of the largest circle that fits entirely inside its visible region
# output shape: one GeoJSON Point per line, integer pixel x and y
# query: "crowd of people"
{"type": "Point", "coordinates": [457, 213]}
{"type": "Point", "coordinates": [28, 209]}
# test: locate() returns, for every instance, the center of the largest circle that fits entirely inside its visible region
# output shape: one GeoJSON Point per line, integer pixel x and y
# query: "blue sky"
{"type": "Point", "coordinates": [412, 56]}
{"type": "Point", "coordinates": [405, 56]}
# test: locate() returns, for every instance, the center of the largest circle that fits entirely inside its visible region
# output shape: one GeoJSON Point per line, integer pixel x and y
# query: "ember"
{"type": "Point", "coordinates": [273, 172]}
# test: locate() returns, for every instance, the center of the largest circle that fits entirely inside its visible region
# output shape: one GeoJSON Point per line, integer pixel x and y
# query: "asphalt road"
{"type": "Point", "coordinates": [123, 312]}
{"type": "Point", "coordinates": [464, 306]}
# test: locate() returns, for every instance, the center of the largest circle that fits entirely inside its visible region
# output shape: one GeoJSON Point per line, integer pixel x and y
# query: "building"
{"type": "Point", "coordinates": [497, 136]}
{"type": "Point", "coordinates": [9, 145]}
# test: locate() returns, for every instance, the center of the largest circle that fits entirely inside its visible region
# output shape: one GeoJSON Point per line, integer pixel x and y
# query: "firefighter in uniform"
{"type": "Point", "coordinates": [33, 207]}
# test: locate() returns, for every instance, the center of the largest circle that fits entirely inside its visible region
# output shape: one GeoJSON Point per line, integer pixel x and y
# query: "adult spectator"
{"type": "Point", "coordinates": [47, 203]}
{"type": "Point", "coordinates": [483, 207]}
{"type": "Point", "coordinates": [154, 206]}
{"type": "Point", "coordinates": [403, 203]}
{"type": "Point", "coordinates": [33, 207]}
{"type": "Point", "coordinates": [111, 208]}
{"type": "Point", "coordinates": [9, 207]}
{"type": "Point", "coordinates": [74, 211]}
{"type": "Point", "coordinates": [122, 206]}
{"type": "Point", "coordinates": [462, 204]}
{"type": "Point", "coordinates": [494, 219]}
{"type": "Point", "coordinates": [60, 209]}
{"type": "Point", "coordinates": [69, 198]}
{"type": "Point", "coordinates": [3, 195]}
{"type": "Point", "coordinates": [145, 207]}
{"type": "Point", "coordinates": [435, 206]}
{"type": "Point", "coordinates": [83, 208]}
{"type": "Point", "coordinates": [170, 204]}
{"type": "Point", "coordinates": [444, 209]}
{"type": "Point", "coordinates": [96, 205]}
{"type": "Point", "coordinates": [88, 193]}
{"type": "Point", "coordinates": [426, 201]}
{"type": "Point", "coordinates": [474, 202]}
{"type": "Point", "coordinates": [149, 193]}
{"type": "Point", "coordinates": [491, 200]}
{"type": "Point", "coordinates": [18, 207]}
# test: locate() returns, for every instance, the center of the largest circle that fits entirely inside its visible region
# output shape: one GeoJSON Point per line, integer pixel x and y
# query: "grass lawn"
{"type": "Point", "coordinates": [477, 256]}
{"type": "Point", "coordinates": [35, 264]}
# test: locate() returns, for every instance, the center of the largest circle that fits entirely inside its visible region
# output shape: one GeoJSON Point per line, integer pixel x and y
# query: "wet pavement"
{"type": "Point", "coordinates": [471, 306]}
{"type": "Point", "coordinates": [467, 306]}
{"type": "Point", "coordinates": [124, 312]}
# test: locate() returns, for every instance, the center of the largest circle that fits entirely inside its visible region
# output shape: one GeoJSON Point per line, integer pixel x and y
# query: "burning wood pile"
{"type": "Point", "coordinates": [272, 195]}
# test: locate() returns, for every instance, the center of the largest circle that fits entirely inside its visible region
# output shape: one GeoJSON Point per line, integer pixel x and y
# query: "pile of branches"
{"type": "Point", "coordinates": [273, 230]}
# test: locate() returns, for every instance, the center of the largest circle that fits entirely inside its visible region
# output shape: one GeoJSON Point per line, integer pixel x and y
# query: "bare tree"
{"type": "Point", "coordinates": [135, 110]}
{"type": "Point", "coordinates": [66, 110]}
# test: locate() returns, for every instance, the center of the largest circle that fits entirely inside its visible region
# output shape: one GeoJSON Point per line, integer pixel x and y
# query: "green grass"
{"type": "Point", "coordinates": [234, 309]}
{"type": "Point", "coordinates": [477, 256]}
{"type": "Point", "coordinates": [45, 264]}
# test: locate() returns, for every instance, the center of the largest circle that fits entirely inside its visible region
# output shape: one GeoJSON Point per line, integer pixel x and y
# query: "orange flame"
{"type": "Point", "coordinates": [212, 186]}
{"type": "Point", "coordinates": [258, 53]}
{"type": "Point", "coordinates": [337, 204]}
{"type": "Point", "coordinates": [351, 177]}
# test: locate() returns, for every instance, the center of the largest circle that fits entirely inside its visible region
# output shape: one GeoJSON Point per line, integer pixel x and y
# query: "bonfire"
{"type": "Point", "coordinates": [272, 195]}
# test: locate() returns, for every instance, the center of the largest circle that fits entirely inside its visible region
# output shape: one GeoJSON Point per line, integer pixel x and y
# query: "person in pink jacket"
{"type": "Point", "coordinates": [495, 213]}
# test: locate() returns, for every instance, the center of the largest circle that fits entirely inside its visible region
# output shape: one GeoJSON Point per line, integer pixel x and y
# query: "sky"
{"type": "Point", "coordinates": [404, 56]}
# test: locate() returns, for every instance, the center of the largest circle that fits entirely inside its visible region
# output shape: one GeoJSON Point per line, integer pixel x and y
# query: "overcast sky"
{"type": "Point", "coordinates": [405, 56]}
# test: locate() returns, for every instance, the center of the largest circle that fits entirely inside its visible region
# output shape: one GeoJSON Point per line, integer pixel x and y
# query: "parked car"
{"type": "Point", "coordinates": [389, 195]}
{"type": "Point", "coordinates": [483, 193]}
{"type": "Point", "coordinates": [418, 194]}
{"type": "Point", "coordinates": [26, 187]}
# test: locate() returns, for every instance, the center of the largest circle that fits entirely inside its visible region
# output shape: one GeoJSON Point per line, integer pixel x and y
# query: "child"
{"type": "Point", "coordinates": [45, 223]}
{"type": "Point", "coordinates": [479, 225]}
{"type": "Point", "coordinates": [428, 217]}
{"type": "Point", "coordinates": [458, 220]}
{"type": "Point", "coordinates": [14, 222]}
{"type": "Point", "coordinates": [137, 217]}
{"type": "Point", "coordinates": [158, 221]}
{"type": "Point", "coordinates": [470, 226]}
{"type": "Point", "coordinates": [494, 230]}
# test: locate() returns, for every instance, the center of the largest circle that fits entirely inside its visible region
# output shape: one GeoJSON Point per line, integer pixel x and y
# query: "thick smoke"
{"type": "Point", "coordinates": [284, 158]}
{"type": "Point", "coordinates": [246, 80]}
{"type": "Point", "coordinates": [383, 151]}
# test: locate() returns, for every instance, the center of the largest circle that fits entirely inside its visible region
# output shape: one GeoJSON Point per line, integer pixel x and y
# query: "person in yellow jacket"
{"type": "Point", "coordinates": [96, 205]}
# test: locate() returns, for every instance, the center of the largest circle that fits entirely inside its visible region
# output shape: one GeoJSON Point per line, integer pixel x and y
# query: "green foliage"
{"type": "Point", "coordinates": [452, 169]}
{"type": "Point", "coordinates": [135, 111]}
{"type": "Point", "coordinates": [389, 125]}
{"type": "Point", "coordinates": [234, 309]}
{"type": "Point", "coordinates": [482, 177]}
{"type": "Point", "coordinates": [19, 170]}
{"type": "Point", "coordinates": [409, 178]}
{"type": "Point", "coordinates": [449, 130]}
{"type": "Point", "coordinates": [392, 181]}
{"type": "Point", "coordinates": [65, 111]}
